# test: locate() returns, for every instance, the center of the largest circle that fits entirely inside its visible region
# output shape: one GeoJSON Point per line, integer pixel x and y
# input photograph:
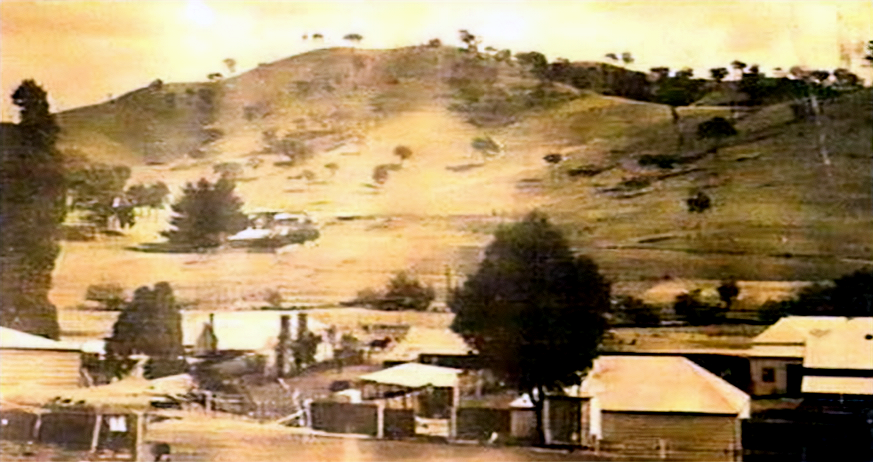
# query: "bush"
{"type": "Point", "coordinates": [404, 292]}
{"type": "Point", "coordinates": [631, 310]}
{"type": "Point", "coordinates": [665, 161]}
{"type": "Point", "coordinates": [110, 296]}
{"type": "Point", "coordinates": [695, 311]}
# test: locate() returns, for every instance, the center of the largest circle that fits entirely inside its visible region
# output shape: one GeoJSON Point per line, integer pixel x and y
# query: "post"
{"type": "Point", "coordinates": [662, 448]}
{"type": "Point", "coordinates": [95, 435]}
{"type": "Point", "coordinates": [453, 418]}
{"type": "Point", "coordinates": [139, 430]}
{"type": "Point", "coordinates": [547, 428]}
{"type": "Point", "coordinates": [380, 419]}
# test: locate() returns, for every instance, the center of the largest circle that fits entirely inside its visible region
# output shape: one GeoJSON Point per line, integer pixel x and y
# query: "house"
{"type": "Point", "coordinates": [776, 359]}
{"type": "Point", "coordinates": [776, 356]}
{"type": "Point", "coordinates": [436, 346]}
{"type": "Point", "coordinates": [28, 361]}
{"type": "Point", "coordinates": [249, 331]}
{"type": "Point", "coordinates": [838, 360]}
{"type": "Point", "coordinates": [662, 406]}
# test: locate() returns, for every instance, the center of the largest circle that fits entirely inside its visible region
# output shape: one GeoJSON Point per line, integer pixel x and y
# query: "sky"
{"type": "Point", "coordinates": [84, 51]}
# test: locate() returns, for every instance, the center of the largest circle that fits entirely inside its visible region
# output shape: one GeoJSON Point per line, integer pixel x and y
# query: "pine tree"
{"type": "Point", "coordinates": [151, 324]}
{"type": "Point", "coordinates": [206, 214]}
{"type": "Point", "coordinates": [32, 208]}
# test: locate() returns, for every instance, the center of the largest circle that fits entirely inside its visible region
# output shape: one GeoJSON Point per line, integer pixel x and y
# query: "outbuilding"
{"type": "Point", "coordinates": [664, 407]}
{"type": "Point", "coordinates": [29, 362]}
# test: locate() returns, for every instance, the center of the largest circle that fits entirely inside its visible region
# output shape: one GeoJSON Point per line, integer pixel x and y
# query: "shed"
{"type": "Point", "coordinates": [664, 407]}
{"type": "Point", "coordinates": [29, 361]}
{"type": "Point", "coordinates": [432, 391]}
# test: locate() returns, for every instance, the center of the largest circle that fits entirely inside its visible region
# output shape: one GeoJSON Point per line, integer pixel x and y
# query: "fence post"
{"type": "Point", "coordinates": [380, 419]}
{"type": "Point", "coordinates": [95, 435]}
{"type": "Point", "coordinates": [138, 429]}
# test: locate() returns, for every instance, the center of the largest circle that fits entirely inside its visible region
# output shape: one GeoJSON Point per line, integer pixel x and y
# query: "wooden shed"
{"type": "Point", "coordinates": [664, 408]}
{"type": "Point", "coordinates": [31, 362]}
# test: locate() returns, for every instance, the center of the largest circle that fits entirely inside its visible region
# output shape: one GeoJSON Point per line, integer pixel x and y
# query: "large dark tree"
{"type": "Point", "coordinates": [151, 324]}
{"type": "Point", "coordinates": [533, 310]}
{"type": "Point", "coordinates": [98, 190]}
{"type": "Point", "coordinates": [206, 214]}
{"type": "Point", "coordinates": [32, 208]}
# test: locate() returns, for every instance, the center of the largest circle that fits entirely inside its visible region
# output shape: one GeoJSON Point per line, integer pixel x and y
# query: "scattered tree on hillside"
{"type": "Point", "coordinates": [151, 196]}
{"type": "Point", "coordinates": [332, 167]}
{"type": "Point", "coordinates": [471, 41]}
{"type": "Point", "coordinates": [611, 56]}
{"type": "Point", "coordinates": [109, 296]}
{"type": "Point", "coordinates": [380, 174]}
{"type": "Point", "coordinates": [214, 77]}
{"type": "Point", "coordinates": [403, 292]}
{"type": "Point", "coordinates": [728, 292]}
{"type": "Point", "coordinates": [869, 55]}
{"type": "Point", "coordinates": [850, 295]}
{"type": "Point", "coordinates": [691, 307]}
{"type": "Point", "coordinates": [486, 147]}
{"type": "Point", "coordinates": [717, 128]}
{"type": "Point", "coordinates": [403, 152]}
{"type": "Point", "coordinates": [32, 208]}
{"type": "Point", "coordinates": [230, 63]}
{"type": "Point", "coordinates": [533, 310]}
{"type": "Point", "coordinates": [738, 66]}
{"type": "Point", "coordinates": [718, 74]}
{"type": "Point", "coordinates": [699, 202]}
{"type": "Point", "coordinates": [536, 62]}
{"type": "Point", "coordinates": [230, 170]}
{"type": "Point", "coordinates": [98, 190]}
{"type": "Point", "coordinates": [661, 73]}
{"type": "Point", "coordinates": [353, 38]}
{"type": "Point", "coordinates": [553, 158]}
{"type": "Point", "coordinates": [627, 58]}
{"type": "Point", "coordinates": [151, 324]}
{"type": "Point", "coordinates": [631, 310]}
{"type": "Point", "coordinates": [317, 36]}
{"type": "Point", "coordinates": [846, 78]}
{"type": "Point", "coordinates": [434, 43]}
{"type": "Point", "coordinates": [206, 214]}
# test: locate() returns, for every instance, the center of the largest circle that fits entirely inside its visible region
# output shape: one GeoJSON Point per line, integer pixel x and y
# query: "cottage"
{"type": "Point", "coordinates": [436, 346]}
{"type": "Point", "coordinates": [659, 407]}
{"type": "Point", "coordinates": [776, 358]}
{"type": "Point", "coordinates": [29, 362]}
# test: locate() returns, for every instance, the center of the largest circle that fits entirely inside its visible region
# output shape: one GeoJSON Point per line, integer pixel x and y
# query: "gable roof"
{"type": "Point", "coordinates": [793, 330]}
{"type": "Point", "coordinates": [415, 375]}
{"type": "Point", "coordinates": [670, 384]}
{"type": "Point", "coordinates": [847, 344]}
{"type": "Point", "coordinates": [11, 339]}
{"type": "Point", "coordinates": [424, 340]}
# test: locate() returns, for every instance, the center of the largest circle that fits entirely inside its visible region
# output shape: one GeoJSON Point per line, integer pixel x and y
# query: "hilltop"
{"type": "Point", "coordinates": [777, 211]}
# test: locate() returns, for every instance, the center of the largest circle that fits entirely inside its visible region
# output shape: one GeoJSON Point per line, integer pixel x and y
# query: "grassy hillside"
{"type": "Point", "coordinates": [777, 211]}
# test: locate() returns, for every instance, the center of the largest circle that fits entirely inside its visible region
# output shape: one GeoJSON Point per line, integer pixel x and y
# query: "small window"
{"type": "Point", "coordinates": [768, 374]}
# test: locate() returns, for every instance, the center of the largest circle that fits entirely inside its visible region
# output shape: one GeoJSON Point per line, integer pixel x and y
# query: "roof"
{"type": "Point", "coordinates": [250, 233]}
{"type": "Point", "coordinates": [793, 330]}
{"type": "Point", "coordinates": [837, 385]}
{"type": "Point", "coordinates": [423, 340]}
{"type": "Point", "coordinates": [11, 339]}
{"type": "Point", "coordinates": [243, 330]}
{"type": "Point", "coordinates": [661, 384]}
{"type": "Point", "coordinates": [845, 344]}
{"type": "Point", "coordinates": [415, 375]}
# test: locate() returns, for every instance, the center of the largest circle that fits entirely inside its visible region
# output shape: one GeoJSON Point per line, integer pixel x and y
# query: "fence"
{"type": "Point", "coordinates": [475, 423]}
{"type": "Point", "coordinates": [74, 429]}
{"type": "Point", "coordinates": [344, 417]}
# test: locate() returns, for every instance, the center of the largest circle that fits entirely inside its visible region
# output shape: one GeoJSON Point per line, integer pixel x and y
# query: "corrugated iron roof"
{"type": "Point", "coordinates": [11, 339]}
{"type": "Point", "coordinates": [415, 375]}
{"type": "Point", "coordinates": [838, 385]}
{"type": "Point", "coordinates": [795, 329]}
{"type": "Point", "coordinates": [425, 340]}
{"type": "Point", "coordinates": [661, 384]}
{"type": "Point", "coordinates": [847, 344]}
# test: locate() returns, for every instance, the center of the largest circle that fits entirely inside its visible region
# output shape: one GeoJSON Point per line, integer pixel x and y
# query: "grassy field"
{"type": "Point", "coordinates": [778, 213]}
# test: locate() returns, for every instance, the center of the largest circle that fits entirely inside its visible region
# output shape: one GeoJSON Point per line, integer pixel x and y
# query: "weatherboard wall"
{"type": "Point", "coordinates": [23, 369]}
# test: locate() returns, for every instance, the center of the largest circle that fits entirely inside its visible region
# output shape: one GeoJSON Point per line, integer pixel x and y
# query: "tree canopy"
{"type": "Point", "coordinates": [32, 208]}
{"type": "Point", "coordinates": [206, 214]}
{"type": "Point", "coordinates": [534, 311]}
{"type": "Point", "coordinates": [151, 324]}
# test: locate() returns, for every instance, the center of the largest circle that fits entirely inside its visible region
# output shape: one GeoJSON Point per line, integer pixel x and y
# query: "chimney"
{"type": "Point", "coordinates": [282, 348]}
{"type": "Point", "coordinates": [301, 324]}
{"type": "Point", "coordinates": [212, 320]}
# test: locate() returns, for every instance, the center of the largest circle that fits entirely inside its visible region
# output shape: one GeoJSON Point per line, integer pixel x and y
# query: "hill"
{"type": "Point", "coordinates": [777, 211]}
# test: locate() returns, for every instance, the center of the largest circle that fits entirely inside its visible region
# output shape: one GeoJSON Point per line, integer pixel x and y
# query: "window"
{"type": "Point", "coordinates": [768, 374]}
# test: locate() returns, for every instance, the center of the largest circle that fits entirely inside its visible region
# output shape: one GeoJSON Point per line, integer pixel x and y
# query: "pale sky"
{"type": "Point", "coordinates": [83, 51]}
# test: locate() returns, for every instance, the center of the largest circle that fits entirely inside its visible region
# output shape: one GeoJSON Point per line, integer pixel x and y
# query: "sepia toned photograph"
{"type": "Point", "coordinates": [410, 231]}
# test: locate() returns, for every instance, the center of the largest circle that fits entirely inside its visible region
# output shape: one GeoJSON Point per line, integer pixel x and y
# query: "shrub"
{"type": "Point", "coordinates": [404, 292]}
{"type": "Point", "coordinates": [110, 296]}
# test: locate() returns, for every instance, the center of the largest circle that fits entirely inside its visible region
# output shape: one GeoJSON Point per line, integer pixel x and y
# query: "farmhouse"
{"type": "Point", "coordinates": [664, 407]}
{"type": "Point", "coordinates": [777, 356]}
{"type": "Point", "coordinates": [29, 362]}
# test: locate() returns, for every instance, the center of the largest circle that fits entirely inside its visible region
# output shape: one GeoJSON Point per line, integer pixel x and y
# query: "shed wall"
{"type": "Point", "coordinates": [686, 436]}
{"type": "Point", "coordinates": [42, 368]}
